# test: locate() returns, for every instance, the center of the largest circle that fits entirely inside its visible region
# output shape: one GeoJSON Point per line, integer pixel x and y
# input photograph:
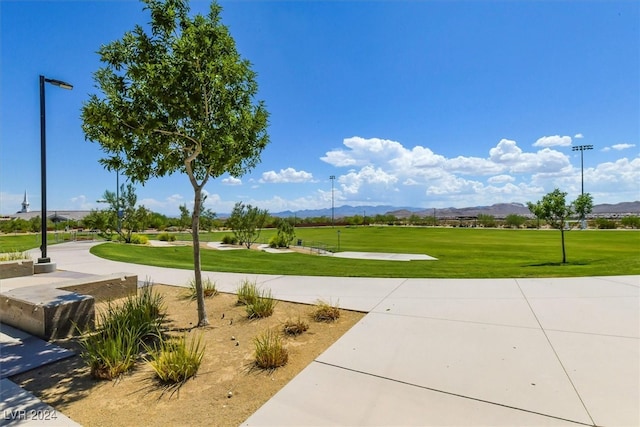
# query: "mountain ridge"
{"type": "Point", "coordinates": [497, 210]}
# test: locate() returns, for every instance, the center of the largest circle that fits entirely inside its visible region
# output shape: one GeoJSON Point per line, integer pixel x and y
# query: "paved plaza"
{"type": "Point", "coordinates": [430, 352]}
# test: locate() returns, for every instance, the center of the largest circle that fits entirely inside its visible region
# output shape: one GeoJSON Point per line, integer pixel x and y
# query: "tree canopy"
{"type": "Point", "coordinates": [247, 221]}
{"type": "Point", "coordinates": [177, 97]}
{"type": "Point", "coordinates": [553, 208]}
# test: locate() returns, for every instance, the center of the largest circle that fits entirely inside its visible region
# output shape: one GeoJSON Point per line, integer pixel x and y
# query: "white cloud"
{"type": "Point", "coordinates": [231, 181]}
{"type": "Point", "coordinates": [578, 136]}
{"type": "Point", "coordinates": [620, 147]}
{"type": "Point", "coordinates": [378, 166]}
{"type": "Point", "coordinates": [175, 198]}
{"type": "Point", "coordinates": [363, 151]}
{"type": "Point", "coordinates": [473, 166]}
{"type": "Point", "coordinates": [501, 179]}
{"type": "Point", "coordinates": [506, 152]}
{"type": "Point", "coordinates": [553, 141]}
{"type": "Point", "coordinates": [352, 182]}
{"type": "Point", "coordinates": [288, 175]}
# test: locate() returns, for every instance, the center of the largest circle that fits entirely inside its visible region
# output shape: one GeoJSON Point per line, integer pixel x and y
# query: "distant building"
{"type": "Point", "coordinates": [25, 204]}
{"type": "Point", "coordinates": [55, 216]}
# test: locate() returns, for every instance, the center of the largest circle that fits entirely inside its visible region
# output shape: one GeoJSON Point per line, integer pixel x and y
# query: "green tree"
{"type": "Point", "coordinates": [125, 216]}
{"type": "Point", "coordinates": [185, 217]}
{"type": "Point", "coordinates": [514, 220]}
{"type": "Point", "coordinates": [101, 220]}
{"type": "Point", "coordinates": [286, 233]}
{"type": "Point", "coordinates": [207, 216]}
{"type": "Point", "coordinates": [486, 220]}
{"type": "Point", "coordinates": [208, 219]}
{"type": "Point", "coordinates": [158, 221]}
{"type": "Point", "coordinates": [631, 221]}
{"type": "Point", "coordinates": [553, 208]}
{"type": "Point", "coordinates": [583, 206]}
{"type": "Point", "coordinates": [246, 222]}
{"type": "Point", "coordinates": [177, 97]}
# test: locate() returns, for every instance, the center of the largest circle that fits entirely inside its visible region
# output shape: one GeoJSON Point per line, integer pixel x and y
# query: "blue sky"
{"type": "Point", "coordinates": [406, 103]}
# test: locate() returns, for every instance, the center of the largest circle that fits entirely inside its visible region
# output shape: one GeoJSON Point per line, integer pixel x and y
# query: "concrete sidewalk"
{"type": "Point", "coordinates": [450, 352]}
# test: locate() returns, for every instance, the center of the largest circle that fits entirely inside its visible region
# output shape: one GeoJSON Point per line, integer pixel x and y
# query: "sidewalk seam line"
{"type": "Point", "coordinates": [450, 393]}
{"type": "Point", "coordinates": [555, 352]}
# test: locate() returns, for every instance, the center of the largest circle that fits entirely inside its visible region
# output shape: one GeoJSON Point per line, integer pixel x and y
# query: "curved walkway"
{"type": "Point", "coordinates": [489, 352]}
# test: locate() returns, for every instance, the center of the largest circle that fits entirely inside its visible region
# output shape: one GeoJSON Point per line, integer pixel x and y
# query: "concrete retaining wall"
{"type": "Point", "coordinates": [16, 268]}
{"type": "Point", "coordinates": [59, 310]}
{"type": "Point", "coordinates": [47, 313]}
{"type": "Point", "coordinates": [103, 288]}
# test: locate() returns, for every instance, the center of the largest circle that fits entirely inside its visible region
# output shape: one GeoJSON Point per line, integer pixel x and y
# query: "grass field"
{"type": "Point", "coordinates": [461, 253]}
{"type": "Point", "coordinates": [24, 242]}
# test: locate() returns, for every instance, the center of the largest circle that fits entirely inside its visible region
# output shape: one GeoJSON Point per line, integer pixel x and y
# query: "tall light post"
{"type": "Point", "coordinates": [118, 213]}
{"type": "Point", "coordinates": [582, 149]}
{"type": "Point", "coordinates": [44, 261]}
{"type": "Point", "coordinates": [332, 178]}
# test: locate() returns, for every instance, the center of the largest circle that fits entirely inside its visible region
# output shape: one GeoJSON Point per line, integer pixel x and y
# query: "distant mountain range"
{"type": "Point", "coordinates": [497, 210]}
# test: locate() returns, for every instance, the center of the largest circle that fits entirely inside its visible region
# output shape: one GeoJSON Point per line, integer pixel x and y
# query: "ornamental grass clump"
{"type": "Point", "coordinates": [209, 289]}
{"type": "Point", "coordinates": [14, 256]}
{"type": "Point", "coordinates": [262, 306]}
{"type": "Point", "coordinates": [325, 312]}
{"type": "Point", "coordinates": [112, 350]}
{"type": "Point", "coordinates": [247, 292]}
{"type": "Point", "coordinates": [174, 360]}
{"type": "Point", "coordinates": [166, 237]}
{"type": "Point", "coordinates": [270, 353]}
{"type": "Point", "coordinates": [295, 327]}
{"type": "Point", "coordinates": [122, 330]}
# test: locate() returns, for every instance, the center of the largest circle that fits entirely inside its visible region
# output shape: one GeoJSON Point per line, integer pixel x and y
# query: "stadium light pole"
{"type": "Point", "coordinates": [332, 178]}
{"type": "Point", "coordinates": [582, 149]}
{"type": "Point", "coordinates": [43, 171]}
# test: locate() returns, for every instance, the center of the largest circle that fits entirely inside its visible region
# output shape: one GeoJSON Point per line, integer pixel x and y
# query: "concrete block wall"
{"type": "Point", "coordinates": [18, 268]}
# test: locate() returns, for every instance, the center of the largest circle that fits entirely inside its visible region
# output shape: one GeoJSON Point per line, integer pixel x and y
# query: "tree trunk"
{"type": "Point", "coordinates": [197, 269]}
{"type": "Point", "coordinates": [564, 254]}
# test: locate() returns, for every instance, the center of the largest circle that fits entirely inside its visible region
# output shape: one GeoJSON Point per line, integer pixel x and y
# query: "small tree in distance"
{"type": "Point", "coordinates": [514, 220]}
{"type": "Point", "coordinates": [247, 221]}
{"type": "Point", "coordinates": [285, 235]}
{"type": "Point", "coordinates": [177, 97]}
{"type": "Point", "coordinates": [554, 209]}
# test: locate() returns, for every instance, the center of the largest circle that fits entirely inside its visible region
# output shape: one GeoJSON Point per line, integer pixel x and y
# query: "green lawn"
{"type": "Point", "coordinates": [461, 253]}
{"type": "Point", "coordinates": [24, 242]}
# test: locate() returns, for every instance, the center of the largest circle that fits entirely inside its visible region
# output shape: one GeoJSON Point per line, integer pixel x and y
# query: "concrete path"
{"type": "Point", "coordinates": [450, 352]}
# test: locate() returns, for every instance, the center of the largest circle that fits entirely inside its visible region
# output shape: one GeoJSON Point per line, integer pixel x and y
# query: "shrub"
{"type": "Point", "coordinates": [262, 306]}
{"type": "Point", "coordinates": [109, 355]}
{"type": "Point", "coordinates": [229, 240]}
{"type": "Point", "coordinates": [325, 312]}
{"type": "Point", "coordinates": [175, 361]}
{"type": "Point", "coordinates": [139, 239]}
{"type": "Point", "coordinates": [113, 348]}
{"type": "Point", "coordinates": [209, 289]}
{"type": "Point", "coordinates": [603, 223]}
{"type": "Point", "coordinates": [270, 353]}
{"type": "Point", "coordinates": [277, 242]}
{"type": "Point", "coordinates": [631, 221]}
{"type": "Point", "coordinates": [247, 292]}
{"type": "Point", "coordinates": [14, 256]}
{"type": "Point", "coordinates": [166, 237]}
{"type": "Point", "coordinates": [295, 327]}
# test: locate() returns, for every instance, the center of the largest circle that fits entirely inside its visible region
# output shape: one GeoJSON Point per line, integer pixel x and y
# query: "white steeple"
{"type": "Point", "coordinates": [25, 204]}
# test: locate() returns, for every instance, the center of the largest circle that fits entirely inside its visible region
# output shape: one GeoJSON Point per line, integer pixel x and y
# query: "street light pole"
{"type": "Point", "coordinates": [118, 199]}
{"type": "Point", "coordinates": [43, 171]}
{"type": "Point", "coordinates": [332, 178]}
